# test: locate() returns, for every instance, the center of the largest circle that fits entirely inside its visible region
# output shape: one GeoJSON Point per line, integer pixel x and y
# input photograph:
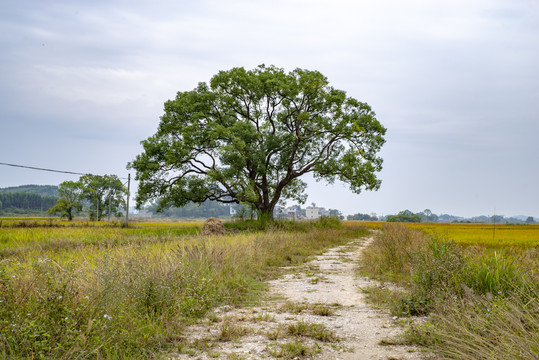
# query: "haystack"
{"type": "Point", "coordinates": [213, 226]}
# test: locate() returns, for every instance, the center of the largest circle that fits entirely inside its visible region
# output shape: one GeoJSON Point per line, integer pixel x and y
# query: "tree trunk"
{"type": "Point", "coordinates": [265, 215]}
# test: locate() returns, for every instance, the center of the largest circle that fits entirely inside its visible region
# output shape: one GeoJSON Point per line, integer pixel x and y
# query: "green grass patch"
{"type": "Point", "coordinates": [312, 330]}
{"type": "Point", "coordinates": [482, 302]}
{"type": "Point", "coordinates": [293, 350]}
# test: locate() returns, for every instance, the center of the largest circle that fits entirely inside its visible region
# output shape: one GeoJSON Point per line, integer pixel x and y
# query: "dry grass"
{"type": "Point", "coordinates": [389, 254]}
{"type": "Point", "coordinates": [477, 328]}
{"type": "Point", "coordinates": [212, 227]}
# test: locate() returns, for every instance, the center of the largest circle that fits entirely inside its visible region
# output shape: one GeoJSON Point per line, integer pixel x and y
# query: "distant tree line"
{"type": "Point", "coordinates": [20, 203]}
{"type": "Point", "coordinates": [43, 190]}
{"type": "Point", "coordinates": [429, 216]}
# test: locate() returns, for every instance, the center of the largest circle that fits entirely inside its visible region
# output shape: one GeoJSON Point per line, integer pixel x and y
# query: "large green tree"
{"type": "Point", "coordinates": [105, 194]}
{"type": "Point", "coordinates": [250, 135]}
{"type": "Point", "coordinates": [70, 200]}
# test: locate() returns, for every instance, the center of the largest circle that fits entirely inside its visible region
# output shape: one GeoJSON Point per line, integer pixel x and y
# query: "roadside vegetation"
{"type": "Point", "coordinates": [89, 292]}
{"type": "Point", "coordinates": [475, 301]}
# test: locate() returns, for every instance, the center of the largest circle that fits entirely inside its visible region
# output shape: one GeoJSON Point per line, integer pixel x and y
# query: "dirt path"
{"type": "Point", "coordinates": [317, 310]}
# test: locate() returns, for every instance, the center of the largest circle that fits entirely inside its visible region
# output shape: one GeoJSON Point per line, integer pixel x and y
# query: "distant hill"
{"type": "Point", "coordinates": [27, 199]}
{"type": "Point", "coordinates": [43, 190]}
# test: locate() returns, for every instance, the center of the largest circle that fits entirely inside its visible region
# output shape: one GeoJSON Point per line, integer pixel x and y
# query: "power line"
{"type": "Point", "coordinates": [128, 178]}
{"type": "Point", "coordinates": [50, 170]}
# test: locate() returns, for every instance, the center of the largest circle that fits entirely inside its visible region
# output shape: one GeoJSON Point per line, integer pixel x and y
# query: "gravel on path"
{"type": "Point", "coordinates": [317, 311]}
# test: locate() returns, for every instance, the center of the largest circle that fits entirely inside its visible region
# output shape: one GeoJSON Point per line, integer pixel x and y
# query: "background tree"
{"type": "Point", "coordinates": [404, 216]}
{"type": "Point", "coordinates": [70, 200]}
{"type": "Point", "coordinates": [530, 220]}
{"type": "Point", "coordinates": [427, 216]}
{"type": "Point", "coordinates": [336, 214]}
{"type": "Point", "coordinates": [362, 217]}
{"type": "Point", "coordinates": [99, 190]}
{"type": "Point", "coordinates": [249, 137]}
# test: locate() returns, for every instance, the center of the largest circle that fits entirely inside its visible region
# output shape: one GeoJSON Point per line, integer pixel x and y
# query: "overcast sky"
{"type": "Point", "coordinates": [455, 82]}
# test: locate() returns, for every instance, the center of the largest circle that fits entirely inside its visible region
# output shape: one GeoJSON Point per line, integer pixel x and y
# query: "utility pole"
{"type": "Point", "coordinates": [110, 205]}
{"type": "Point", "coordinates": [127, 205]}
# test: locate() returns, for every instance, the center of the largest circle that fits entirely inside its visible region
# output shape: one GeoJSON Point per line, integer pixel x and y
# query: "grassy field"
{"type": "Point", "coordinates": [29, 239]}
{"type": "Point", "coordinates": [481, 298]}
{"type": "Point", "coordinates": [80, 290]}
{"type": "Point", "coordinates": [84, 291]}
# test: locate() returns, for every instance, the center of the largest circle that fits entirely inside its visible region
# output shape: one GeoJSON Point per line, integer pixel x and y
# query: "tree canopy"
{"type": "Point", "coordinates": [70, 199]}
{"type": "Point", "coordinates": [105, 193]}
{"type": "Point", "coordinates": [250, 135]}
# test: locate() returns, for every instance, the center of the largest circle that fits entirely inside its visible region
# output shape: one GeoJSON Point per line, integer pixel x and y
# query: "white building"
{"type": "Point", "coordinates": [294, 212]}
{"type": "Point", "coordinates": [314, 212]}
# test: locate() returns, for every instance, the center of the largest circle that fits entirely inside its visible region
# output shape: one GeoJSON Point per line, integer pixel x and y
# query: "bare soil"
{"type": "Point", "coordinates": [325, 295]}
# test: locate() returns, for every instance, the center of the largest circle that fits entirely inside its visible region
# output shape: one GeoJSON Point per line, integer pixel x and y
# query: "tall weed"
{"type": "Point", "coordinates": [497, 274]}
{"type": "Point", "coordinates": [483, 304]}
{"type": "Point", "coordinates": [437, 269]}
{"type": "Point", "coordinates": [482, 329]}
{"type": "Point", "coordinates": [389, 254]}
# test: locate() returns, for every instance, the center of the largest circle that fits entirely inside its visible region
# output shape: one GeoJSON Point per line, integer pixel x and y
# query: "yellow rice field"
{"type": "Point", "coordinates": [484, 234]}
